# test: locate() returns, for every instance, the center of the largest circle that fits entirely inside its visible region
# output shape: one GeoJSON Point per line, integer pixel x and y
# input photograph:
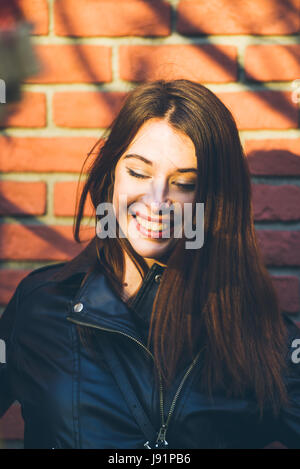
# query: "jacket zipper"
{"type": "Point", "coordinates": [161, 437]}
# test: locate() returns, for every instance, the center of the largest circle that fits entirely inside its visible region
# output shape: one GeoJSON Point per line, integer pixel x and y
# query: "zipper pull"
{"type": "Point", "coordinates": [161, 439]}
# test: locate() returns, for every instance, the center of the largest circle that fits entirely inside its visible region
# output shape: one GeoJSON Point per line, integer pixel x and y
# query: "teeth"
{"type": "Point", "coordinates": [150, 225]}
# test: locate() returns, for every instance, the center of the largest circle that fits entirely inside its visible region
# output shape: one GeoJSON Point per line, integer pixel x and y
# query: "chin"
{"type": "Point", "coordinates": [150, 249]}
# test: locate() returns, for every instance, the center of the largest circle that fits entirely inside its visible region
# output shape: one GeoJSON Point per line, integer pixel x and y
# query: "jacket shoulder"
{"type": "Point", "coordinates": [39, 276]}
{"type": "Point", "coordinates": [50, 268]}
{"type": "Point", "coordinates": [29, 283]}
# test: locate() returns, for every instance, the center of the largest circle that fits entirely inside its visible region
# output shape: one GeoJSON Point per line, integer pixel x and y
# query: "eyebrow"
{"type": "Point", "coordinates": [142, 158]}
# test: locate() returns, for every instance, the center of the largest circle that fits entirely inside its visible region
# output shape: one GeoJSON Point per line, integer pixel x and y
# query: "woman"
{"type": "Point", "coordinates": [144, 340]}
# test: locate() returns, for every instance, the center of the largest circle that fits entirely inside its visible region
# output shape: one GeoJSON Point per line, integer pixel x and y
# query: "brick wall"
{"type": "Point", "coordinates": [92, 53]}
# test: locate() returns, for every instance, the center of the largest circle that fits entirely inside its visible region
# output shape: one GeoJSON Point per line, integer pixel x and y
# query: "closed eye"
{"type": "Point", "coordinates": [183, 187]}
{"type": "Point", "coordinates": [136, 175]}
{"type": "Point", "coordinates": [186, 187]}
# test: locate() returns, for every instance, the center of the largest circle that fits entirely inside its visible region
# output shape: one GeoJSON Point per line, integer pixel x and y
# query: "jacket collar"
{"type": "Point", "coordinates": [96, 304]}
{"type": "Point", "coordinates": [86, 260]}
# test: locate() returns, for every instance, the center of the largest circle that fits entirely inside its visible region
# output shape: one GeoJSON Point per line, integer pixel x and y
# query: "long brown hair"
{"type": "Point", "coordinates": [218, 299]}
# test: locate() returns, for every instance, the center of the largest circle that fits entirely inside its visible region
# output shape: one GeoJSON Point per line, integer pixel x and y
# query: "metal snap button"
{"type": "Point", "coordinates": [157, 278]}
{"type": "Point", "coordinates": [78, 307]}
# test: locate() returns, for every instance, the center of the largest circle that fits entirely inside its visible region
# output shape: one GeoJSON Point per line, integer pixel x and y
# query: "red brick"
{"type": "Point", "coordinates": [261, 109]}
{"type": "Point", "coordinates": [12, 424]}
{"type": "Point", "coordinates": [280, 247]}
{"type": "Point", "coordinates": [48, 154]}
{"type": "Point", "coordinates": [36, 242]}
{"type": "Point", "coordinates": [246, 17]}
{"type": "Point", "coordinates": [272, 62]}
{"type": "Point", "coordinates": [85, 109]}
{"type": "Point", "coordinates": [36, 12]}
{"type": "Point", "coordinates": [276, 157]}
{"type": "Point", "coordinates": [206, 63]}
{"type": "Point", "coordinates": [276, 202]}
{"type": "Point", "coordinates": [65, 199]}
{"type": "Point", "coordinates": [22, 198]}
{"type": "Point", "coordinates": [287, 288]}
{"type": "Point", "coordinates": [9, 280]}
{"type": "Point", "coordinates": [29, 112]}
{"type": "Point", "coordinates": [112, 18]}
{"type": "Point", "coordinates": [63, 63]}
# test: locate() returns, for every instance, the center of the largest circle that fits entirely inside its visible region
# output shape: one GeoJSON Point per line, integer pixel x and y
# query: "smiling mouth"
{"type": "Point", "coordinates": [148, 218]}
{"type": "Point", "coordinates": [150, 228]}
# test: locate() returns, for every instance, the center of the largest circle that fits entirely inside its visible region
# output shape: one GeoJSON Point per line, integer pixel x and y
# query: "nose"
{"type": "Point", "coordinates": [158, 198]}
{"type": "Point", "coordinates": [160, 207]}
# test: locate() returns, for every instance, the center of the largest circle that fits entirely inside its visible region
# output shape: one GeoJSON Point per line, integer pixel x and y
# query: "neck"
{"type": "Point", "coordinates": [150, 262]}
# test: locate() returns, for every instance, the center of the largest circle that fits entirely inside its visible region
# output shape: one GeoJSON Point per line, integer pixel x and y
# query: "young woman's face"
{"type": "Point", "coordinates": [152, 175]}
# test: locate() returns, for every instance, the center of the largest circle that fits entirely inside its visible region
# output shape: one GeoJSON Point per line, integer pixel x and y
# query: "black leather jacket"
{"type": "Point", "coordinates": [70, 397]}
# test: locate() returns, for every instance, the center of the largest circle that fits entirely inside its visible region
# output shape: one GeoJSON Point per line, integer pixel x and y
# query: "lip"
{"type": "Point", "coordinates": [148, 218]}
{"type": "Point", "coordinates": [152, 234]}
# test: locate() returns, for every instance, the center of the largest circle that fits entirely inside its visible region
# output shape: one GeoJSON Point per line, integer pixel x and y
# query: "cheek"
{"type": "Point", "coordinates": [119, 189]}
{"type": "Point", "coordinates": [187, 205]}
{"type": "Point", "coordinates": [124, 195]}
{"type": "Point", "coordinates": [184, 200]}
{"type": "Point", "coordinates": [125, 187]}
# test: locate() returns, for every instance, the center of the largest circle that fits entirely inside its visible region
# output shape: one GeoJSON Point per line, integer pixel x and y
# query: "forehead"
{"type": "Point", "coordinates": [162, 144]}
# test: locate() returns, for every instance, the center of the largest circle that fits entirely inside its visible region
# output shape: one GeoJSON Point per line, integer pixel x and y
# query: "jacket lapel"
{"type": "Point", "coordinates": [101, 307]}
